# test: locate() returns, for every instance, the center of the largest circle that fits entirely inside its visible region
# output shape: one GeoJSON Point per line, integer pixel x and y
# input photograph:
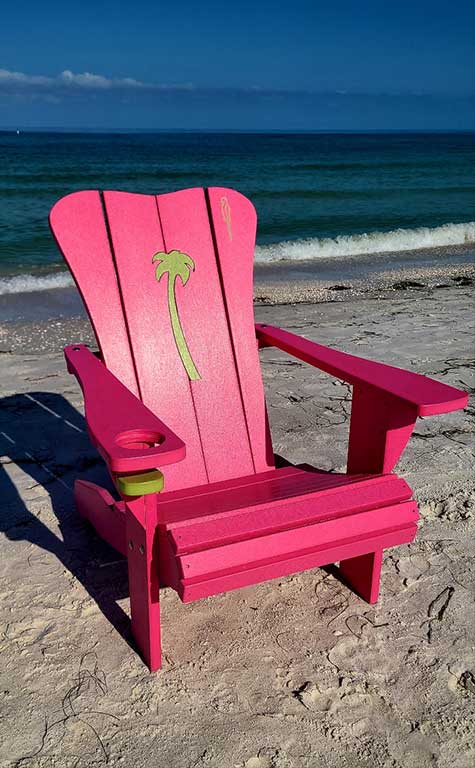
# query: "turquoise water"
{"type": "Point", "coordinates": [328, 194]}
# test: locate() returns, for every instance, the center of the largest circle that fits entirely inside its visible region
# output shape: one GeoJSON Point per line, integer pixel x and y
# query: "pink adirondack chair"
{"type": "Point", "coordinates": [167, 282]}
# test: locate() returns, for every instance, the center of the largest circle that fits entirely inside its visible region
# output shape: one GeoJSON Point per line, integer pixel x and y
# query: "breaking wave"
{"type": "Point", "coordinates": [29, 283]}
{"type": "Point", "coordinates": [299, 250]}
{"type": "Point", "coordinates": [373, 242]}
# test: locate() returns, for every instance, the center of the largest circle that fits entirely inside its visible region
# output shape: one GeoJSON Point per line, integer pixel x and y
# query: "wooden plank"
{"type": "Point", "coordinates": [127, 434]}
{"type": "Point", "coordinates": [284, 567]}
{"type": "Point", "coordinates": [244, 554]}
{"type": "Point", "coordinates": [144, 586]}
{"type": "Point", "coordinates": [287, 513]}
{"type": "Point", "coordinates": [136, 236]}
{"type": "Point", "coordinates": [169, 509]}
{"type": "Point", "coordinates": [429, 396]}
{"type": "Point", "coordinates": [380, 428]}
{"type": "Point", "coordinates": [77, 223]}
{"type": "Point", "coordinates": [278, 491]}
{"type": "Point", "coordinates": [234, 224]}
{"type": "Point", "coordinates": [103, 512]}
{"type": "Point", "coordinates": [234, 494]}
{"type": "Point", "coordinates": [185, 226]}
{"type": "Point", "coordinates": [363, 574]}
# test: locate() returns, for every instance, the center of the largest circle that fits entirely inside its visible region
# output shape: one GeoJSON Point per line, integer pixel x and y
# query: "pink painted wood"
{"type": "Point", "coordinates": [386, 400]}
{"type": "Point", "coordinates": [362, 574]}
{"type": "Point", "coordinates": [428, 396]}
{"type": "Point", "coordinates": [105, 513]}
{"type": "Point", "coordinates": [140, 226]}
{"type": "Point", "coordinates": [77, 222]}
{"type": "Point", "coordinates": [217, 526]}
{"type": "Point", "coordinates": [243, 554]}
{"type": "Point", "coordinates": [226, 518]}
{"type": "Point", "coordinates": [216, 396]}
{"type": "Point", "coordinates": [232, 545]}
{"type": "Point", "coordinates": [234, 226]}
{"type": "Point", "coordinates": [339, 552]}
{"type": "Point", "coordinates": [380, 427]}
{"type": "Point", "coordinates": [136, 236]}
{"type": "Point", "coordinates": [143, 565]}
{"type": "Point", "coordinates": [127, 435]}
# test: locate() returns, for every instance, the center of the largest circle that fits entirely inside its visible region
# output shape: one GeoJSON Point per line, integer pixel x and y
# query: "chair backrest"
{"type": "Point", "coordinates": [167, 283]}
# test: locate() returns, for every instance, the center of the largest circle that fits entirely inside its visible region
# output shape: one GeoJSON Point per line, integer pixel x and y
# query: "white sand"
{"type": "Point", "coordinates": [295, 673]}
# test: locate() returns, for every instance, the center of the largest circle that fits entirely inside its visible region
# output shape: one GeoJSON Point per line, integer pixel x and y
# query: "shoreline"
{"type": "Point", "coordinates": [39, 333]}
{"type": "Point", "coordinates": [291, 282]}
{"type": "Point", "coordinates": [387, 282]}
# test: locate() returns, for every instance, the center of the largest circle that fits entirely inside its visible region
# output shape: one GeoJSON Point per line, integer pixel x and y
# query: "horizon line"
{"type": "Point", "coordinates": [108, 130]}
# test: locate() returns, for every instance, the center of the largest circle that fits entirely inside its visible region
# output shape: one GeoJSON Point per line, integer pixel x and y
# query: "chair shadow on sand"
{"type": "Point", "coordinates": [46, 437]}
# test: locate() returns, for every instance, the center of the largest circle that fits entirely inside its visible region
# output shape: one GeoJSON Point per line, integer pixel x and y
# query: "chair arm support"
{"type": "Point", "coordinates": [429, 397]}
{"type": "Point", "coordinates": [127, 435]}
{"type": "Point", "coordinates": [386, 400]}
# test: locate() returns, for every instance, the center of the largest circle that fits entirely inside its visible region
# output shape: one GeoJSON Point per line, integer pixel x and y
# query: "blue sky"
{"type": "Point", "coordinates": [249, 65]}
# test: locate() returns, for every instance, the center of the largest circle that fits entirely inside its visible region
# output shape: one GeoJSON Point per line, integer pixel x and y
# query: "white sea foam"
{"type": "Point", "coordinates": [299, 250]}
{"type": "Point", "coordinates": [29, 283]}
{"type": "Point", "coordinates": [373, 242]}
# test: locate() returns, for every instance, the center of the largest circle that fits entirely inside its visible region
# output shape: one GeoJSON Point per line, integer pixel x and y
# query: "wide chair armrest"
{"type": "Point", "coordinates": [386, 400]}
{"type": "Point", "coordinates": [127, 435]}
{"type": "Point", "coordinates": [428, 396]}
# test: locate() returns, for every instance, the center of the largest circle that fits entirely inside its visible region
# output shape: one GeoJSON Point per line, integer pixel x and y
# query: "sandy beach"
{"type": "Point", "coordinates": [294, 673]}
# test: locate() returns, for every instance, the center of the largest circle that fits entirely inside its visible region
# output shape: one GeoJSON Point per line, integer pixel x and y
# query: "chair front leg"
{"type": "Point", "coordinates": [142, 559]}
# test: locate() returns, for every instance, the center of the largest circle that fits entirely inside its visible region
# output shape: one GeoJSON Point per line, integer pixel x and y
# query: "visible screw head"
{"type": "Point", "coordinates": [131, 544]}
{"type": "Point", "coordinates": [141, 549]}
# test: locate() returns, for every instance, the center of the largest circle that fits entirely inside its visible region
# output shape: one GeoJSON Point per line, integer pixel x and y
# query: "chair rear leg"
{"type": "Point", "coordinates": [363, 573]}
{"type": "Point", "coordinates": [142, 559]}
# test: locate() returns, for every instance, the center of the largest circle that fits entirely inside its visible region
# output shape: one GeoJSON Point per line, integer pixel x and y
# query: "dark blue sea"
{"type": "Point", "coordinates": [317, 195]}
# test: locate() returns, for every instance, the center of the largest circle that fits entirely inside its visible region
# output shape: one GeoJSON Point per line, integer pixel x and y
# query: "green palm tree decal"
{"type": "Point", "coordinates": [177, 264]}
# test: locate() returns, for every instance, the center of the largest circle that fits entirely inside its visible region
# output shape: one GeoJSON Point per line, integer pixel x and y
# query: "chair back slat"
{"type": "Point", "coordinates": [167, 281]}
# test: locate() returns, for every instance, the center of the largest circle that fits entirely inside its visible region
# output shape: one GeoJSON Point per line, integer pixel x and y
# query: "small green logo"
{"type": "Point", "coordinates": [177, 264]}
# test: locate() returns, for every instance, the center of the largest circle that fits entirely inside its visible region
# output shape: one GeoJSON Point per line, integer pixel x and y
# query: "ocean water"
{"type": "Point", "coordinates": [318, 196]}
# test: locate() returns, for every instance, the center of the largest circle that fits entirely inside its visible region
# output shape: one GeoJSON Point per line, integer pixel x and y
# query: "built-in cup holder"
{"type": "Point", "coordinates": [135, 439]}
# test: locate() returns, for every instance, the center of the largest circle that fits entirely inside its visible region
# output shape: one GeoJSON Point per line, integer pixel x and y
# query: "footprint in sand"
{"type": "Point", "coordinates": [258, 762]}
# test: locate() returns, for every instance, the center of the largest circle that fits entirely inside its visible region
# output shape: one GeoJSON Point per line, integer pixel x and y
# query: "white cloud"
{"type": "Point", "coordinates": [67, 84]}
{"type": "Point", "coordinates": [90, 80]}
{"type": "Point", "coordinates": [19, 78]}
{"type": "Point", "coordinates": [18, 82]}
